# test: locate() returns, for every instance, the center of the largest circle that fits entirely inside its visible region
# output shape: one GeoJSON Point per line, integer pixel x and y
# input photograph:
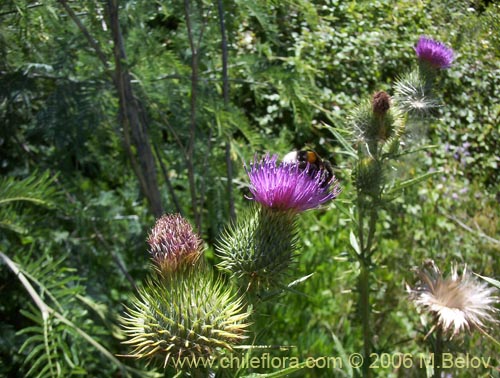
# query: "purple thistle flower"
{"type": "Point", "coordinates": [173, 243]}
{"type": "Point", "coordinates": [288, 187]}
{"type": "Point", "coordinates": [435, 53]}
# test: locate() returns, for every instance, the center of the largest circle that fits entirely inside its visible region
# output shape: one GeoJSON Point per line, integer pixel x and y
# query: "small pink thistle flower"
{"type": "Point", "coordinates": [173, 243]}
{"type": "Point", "coordinates": [435, 53]}
{"type": "Point", "coordinates": [285, 186]}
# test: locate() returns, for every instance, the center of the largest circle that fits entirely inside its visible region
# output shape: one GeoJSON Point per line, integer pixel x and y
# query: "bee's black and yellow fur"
{"type": "Point", "coordinates": [310, 160]}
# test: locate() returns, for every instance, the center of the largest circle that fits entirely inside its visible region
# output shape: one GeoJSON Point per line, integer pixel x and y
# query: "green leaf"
{"type": "Point", "coordinates": [343, 355]}
{"type": "Point", "coordinates": [405, 184]}
{"type": "Point", "coordinates": [354, 243]}
{"type": "Point", "coordinates": [427, 147]}
{"type": "Point", "coordinates": [490, 280]}
{"type": "Point", "coordinates": [34, 189]}
{"type": "Point", "coordinates": [345, 206]}
{"type": "Point", "coordinates": [348, 149]}
{"type": "Point", "coordinates": [7, 224]}
{"type": "Point", "coordinates": [299, 280]}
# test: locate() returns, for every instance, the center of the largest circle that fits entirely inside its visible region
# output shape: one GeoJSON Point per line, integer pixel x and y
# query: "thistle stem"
{"type": "Point", "coordinates": [438, 353]}
{"type": "Point", "coordinates": [366, 237]}
{"type": "Point", "coordinates": [371, 233]}
{"type": "Point", "coordinates": [364, 280]}
{"type": "Point", "coordinates": [364, 301]}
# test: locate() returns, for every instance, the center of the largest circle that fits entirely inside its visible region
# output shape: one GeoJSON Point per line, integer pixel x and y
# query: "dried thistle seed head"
{"type": "Point", "coordinates": [181, 316]}
{"type": "Point", "coordinates": [457, 302]}
{"type": "Point", "coordinates": [414, 96]}
{"type": "Point", "coordinates": [173, 243]}
{"type": "Point", "coordinates": [381, 102]}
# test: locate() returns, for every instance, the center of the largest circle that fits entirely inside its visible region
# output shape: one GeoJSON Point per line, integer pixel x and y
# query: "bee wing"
{"type": "Point", "coordinates": [290, 157]}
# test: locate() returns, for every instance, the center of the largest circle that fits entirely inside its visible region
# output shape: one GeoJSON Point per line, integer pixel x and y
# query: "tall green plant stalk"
{"type": "Point", "coordinates": [366, 236]}
{"type": "Point", "coordinates": [379, 125]}
{"type": "Point", "coordinates": [365, 308]}
{"type": "Point", "coordinates": [438, 352]}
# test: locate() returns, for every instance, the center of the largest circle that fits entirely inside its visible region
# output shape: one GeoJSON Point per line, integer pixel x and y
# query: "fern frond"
{"type": "Point", "coordinates": [262, 13]}
{"type": "Point", "coordinates": [35, 189]}
{"type": "Point", "coordinates": [54, 341]}
{"type": "Point", "coordinates": [234, 121]}
{"type": "Point", "coordinates": [55, 290]}
{"type": "Point", "coordinates": [11, 220]}
{"type": "Point", "coordinates": [42, 344]}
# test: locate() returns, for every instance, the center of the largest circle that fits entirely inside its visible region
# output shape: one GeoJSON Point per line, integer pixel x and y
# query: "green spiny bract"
{"type": "Point", "coordinates": [369, 177]}
{"type": "Point", "coordinates": [188, 314]}
{"type": "Point", "coordinates": [259, 248]}
{"type": "Point", "coordinates": [376, 121]}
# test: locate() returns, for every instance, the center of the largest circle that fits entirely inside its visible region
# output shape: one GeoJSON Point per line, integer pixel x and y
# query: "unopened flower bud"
{"type": "Point", "coordinates": [173, 243]}
{"type": "Point", "coordinates": [381, 102]}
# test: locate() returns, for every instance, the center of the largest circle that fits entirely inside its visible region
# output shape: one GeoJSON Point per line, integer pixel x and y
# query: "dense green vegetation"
{"type": "Point", "coordinates": [113, 113]}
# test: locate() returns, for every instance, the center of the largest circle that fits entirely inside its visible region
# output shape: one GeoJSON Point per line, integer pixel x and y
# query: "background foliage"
{"type": "Point", "coordinates": [78, 231]}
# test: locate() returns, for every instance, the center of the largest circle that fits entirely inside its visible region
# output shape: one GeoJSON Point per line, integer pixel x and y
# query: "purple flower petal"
{"type": "Point", "coordinates": [435, 53]}
{"type": "Point", "coordinates": [285, 186]}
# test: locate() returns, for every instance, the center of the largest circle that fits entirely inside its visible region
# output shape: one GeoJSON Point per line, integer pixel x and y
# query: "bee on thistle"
{"type": "Point", "coordinates": [310, 160]}
{"type": "Point", "coordinates": [259, 249]}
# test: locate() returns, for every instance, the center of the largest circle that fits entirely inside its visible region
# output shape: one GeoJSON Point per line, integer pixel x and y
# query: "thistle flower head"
{"type": "Point", "coordinates": [191, 315]}
{"type": "Point", "coordinates": [286, 186]}
{"type": "Point", "coordinates": [434, 53]}
{"type": "Point", "coordinates": [458, 302]}
{"type": "Point", "coordinates": [173, 243]}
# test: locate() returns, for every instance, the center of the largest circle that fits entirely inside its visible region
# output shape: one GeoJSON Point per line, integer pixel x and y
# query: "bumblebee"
{"type": "Point", "coordinates": [310, 160]}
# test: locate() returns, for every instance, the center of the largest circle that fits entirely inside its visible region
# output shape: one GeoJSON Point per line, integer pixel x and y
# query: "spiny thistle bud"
{"type": "Point", "coordinates": [173, 244]}
{"type": "Point", "coordinates": [376, 121]}
{"type": "Point", "coordinates": [457, 302]}
{"type": "Point", "coordinates": [434, 53]}
{"type": "Point", "coordinates": [259, 248]}
{"type": "Point", "coordinates": [189, 315]}
{"type": "Point", "coordinates": [381, 102]}
{"type": "Point", "coordinates": [368, 176]}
